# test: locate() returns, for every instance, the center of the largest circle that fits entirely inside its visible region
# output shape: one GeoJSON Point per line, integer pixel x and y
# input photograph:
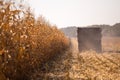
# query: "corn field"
{"type": "Point", "coordinates": [33, 49]}
{"type": "Point", "coordinates": [26, 43]}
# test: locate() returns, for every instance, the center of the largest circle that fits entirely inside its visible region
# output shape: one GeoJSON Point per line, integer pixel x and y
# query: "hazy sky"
{"type": "Point", "coordinates": [65, 13]}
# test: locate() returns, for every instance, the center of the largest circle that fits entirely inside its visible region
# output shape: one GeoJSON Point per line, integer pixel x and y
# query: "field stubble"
{"type": "Point", "coordinates": [98, 66]}
{"type": "Point", "coordinates": [87, 65]}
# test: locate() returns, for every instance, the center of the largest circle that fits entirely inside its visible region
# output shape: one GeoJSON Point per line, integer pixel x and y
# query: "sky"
{"type": "Point", "coordinates": [64, 13]}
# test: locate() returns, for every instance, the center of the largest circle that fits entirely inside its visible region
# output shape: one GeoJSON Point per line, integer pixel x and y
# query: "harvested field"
{"type": "Point", "coordinates": [111, 44]}
{"type": "Point", "coordinates": [95, 66]}
{"type": "Point", "coordinates": [87, 65]}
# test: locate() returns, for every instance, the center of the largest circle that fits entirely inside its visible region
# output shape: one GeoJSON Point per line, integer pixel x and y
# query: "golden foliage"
{"type": "Point", "coordinates": [26, 43]}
